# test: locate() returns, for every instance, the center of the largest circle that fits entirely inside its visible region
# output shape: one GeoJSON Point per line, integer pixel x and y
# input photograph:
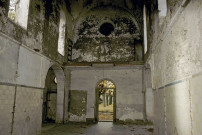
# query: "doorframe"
{"type": "Point", "coordinates": [96, 107]}
{"type": "Point", "coordinates": [61, 104]}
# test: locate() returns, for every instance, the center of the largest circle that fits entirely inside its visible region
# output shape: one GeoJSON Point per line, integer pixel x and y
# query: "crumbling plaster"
{"type": "Point", "coordinates": [92, 46]}
{"type": "Point", "coordinates": [128, 81]}
{"type": "Point", "coordinates": [175, 60]}
{"type": "Point", "coordinates": [89, 45]}
{"type": "Point", "coordinates": [41, 34]}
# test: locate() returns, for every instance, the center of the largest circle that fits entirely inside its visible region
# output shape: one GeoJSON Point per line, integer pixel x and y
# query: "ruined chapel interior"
{"type": "Point", "coordinates": [100, 67]}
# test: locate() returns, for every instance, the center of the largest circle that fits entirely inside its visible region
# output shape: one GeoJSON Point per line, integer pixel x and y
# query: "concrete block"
{"type": "Point", "coordinates": [196, 112]}
{"type": "Point", "coordinates": [29, 68]}
{"type": "Point", "coordinates": [28, 113]}
{"type": "Point", "coordinates": [6, 108]}
{"type": "Point", "coordinates": [8, 58]}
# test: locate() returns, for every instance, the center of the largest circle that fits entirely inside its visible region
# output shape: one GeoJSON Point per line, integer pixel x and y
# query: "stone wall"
{"type": "Point", "coordinates": [77, 105]}
{"type": "Point", "coordinates": [20, 110]}
{"type": "Point", "coordinates": [28, 111]}
{"type": "Point", "coordinates": [6, 109]}
{"type": "Point", "coordinates": [176, 66]}
{"type": "Point", "coordinates": [25, 57]}
{"type": "Point", "coordinates": [42, 31]}
{"type": "Point", "coordinates": [22, 78]}
{"type": "Point", "coordinates": [128, 81]}
{"type": "Point", "coordinates": [93, 46]}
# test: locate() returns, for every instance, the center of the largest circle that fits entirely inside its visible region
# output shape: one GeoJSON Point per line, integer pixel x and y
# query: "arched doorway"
{"type": "Point", "coordinates": [53, 96]}
{"type": "Point", "coordinates": [50, 98]}
{"type": "Point", "coordinates": [105, 109]}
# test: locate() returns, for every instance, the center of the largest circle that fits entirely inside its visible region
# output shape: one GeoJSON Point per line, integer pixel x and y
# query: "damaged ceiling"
{"type": "Point", "coordinates": [90, 44]}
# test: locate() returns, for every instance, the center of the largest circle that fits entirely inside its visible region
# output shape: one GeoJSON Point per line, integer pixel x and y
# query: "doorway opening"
{"type": "Point", "coordinates": [105, 101]}
{"type": "Point", "coordinates": [50, 98]}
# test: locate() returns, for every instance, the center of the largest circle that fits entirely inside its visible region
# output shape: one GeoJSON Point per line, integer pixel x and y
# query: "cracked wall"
{"type": "Point", "coordinates": [42, 28]}
{"type": "Point", "coordinates": [89, 45]}
{"type": "Point", "coordinates": [92, 46]}
{"type": "Point", "coordinates": [129, 97]}
{"type": "Point", "coordinates": [175, 62]}
{"type": "Point", "coordinates": [24, 64]}
{"type": "Point", "coordinates": [78, 105]}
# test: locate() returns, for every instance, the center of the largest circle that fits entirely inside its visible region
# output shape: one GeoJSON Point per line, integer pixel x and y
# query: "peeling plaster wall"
{"type": "Point", "coordinates": [175, 61]}
{"type": "Point", "coordinates": [22, 80]}
{"type": "Point", "coordinates": [25, 61]}
{"type": "Point", "coordinates": [128, 81]}
{"type": "Point", "coordinates": [42, 31]}
{"type": "Point", "coordinates": [78, 105]}
{"type": "Point", "coordinates": [92, 46]}
{"type": "Point", "coordinates": [27, 54]}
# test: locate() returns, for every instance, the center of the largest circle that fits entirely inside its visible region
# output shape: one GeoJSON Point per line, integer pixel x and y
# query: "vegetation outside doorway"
{"type": "Point", "coordinates": [105, 109]}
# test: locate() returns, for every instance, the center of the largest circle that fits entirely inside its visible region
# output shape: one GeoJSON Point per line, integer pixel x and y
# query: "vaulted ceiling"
{"type": "Point", "coordinates": [90, 44]}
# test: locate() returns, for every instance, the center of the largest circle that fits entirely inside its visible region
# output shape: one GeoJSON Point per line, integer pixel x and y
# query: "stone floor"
{"type": "Point", "coordinates": [102, 128]}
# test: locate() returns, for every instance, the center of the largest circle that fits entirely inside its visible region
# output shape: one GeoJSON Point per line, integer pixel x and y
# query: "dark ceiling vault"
{"type": "Point", "coordinates": [105, 30]}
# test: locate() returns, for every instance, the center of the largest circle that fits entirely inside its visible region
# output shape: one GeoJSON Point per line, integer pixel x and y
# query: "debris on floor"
{"type": "Point", "coordinates": [101, 128]}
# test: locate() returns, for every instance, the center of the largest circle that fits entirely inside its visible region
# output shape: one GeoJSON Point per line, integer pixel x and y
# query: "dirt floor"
{"type": "Point", "coordinates": [105, 113]}
{"type": "Point", "coordinates": [102, 128]}
{"type": "Point", "coordinates": [105, 116]}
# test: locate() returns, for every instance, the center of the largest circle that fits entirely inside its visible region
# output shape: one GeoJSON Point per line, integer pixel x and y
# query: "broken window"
{"type": "Point", "coordinates": [18, 12]}
{"type": "Point", "coordinates": [61, 39]}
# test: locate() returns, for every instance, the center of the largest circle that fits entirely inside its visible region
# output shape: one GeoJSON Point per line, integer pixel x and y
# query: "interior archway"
{"type": "Point", "coordinates": [53, 95]}
{"type": "Point", "coordinates": [50, 98]}
{"type": "Point", "coordinates": [105, 101]}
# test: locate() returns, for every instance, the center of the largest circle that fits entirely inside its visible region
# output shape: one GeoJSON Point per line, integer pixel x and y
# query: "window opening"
{"type": "Point", "coordinates": [18, 12]}
{"type": "Point", "coordinates": [62, 28]}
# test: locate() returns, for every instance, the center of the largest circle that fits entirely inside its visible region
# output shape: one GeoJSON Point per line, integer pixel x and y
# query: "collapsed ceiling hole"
{"type": "Point", "coordinates": [106, 29]}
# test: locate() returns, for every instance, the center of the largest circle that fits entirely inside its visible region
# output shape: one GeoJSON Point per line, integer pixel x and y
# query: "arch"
{"type": "Point", "coordinates": [104, 11]}
{"type": "Point", "coordinates": [106, 21]}
{"type": "Point", "coordinates": [105, 79]}
{"type": "Point", "coordinates": [60, 76]}
{"type": "Point", "coordinates": [96, 111]}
